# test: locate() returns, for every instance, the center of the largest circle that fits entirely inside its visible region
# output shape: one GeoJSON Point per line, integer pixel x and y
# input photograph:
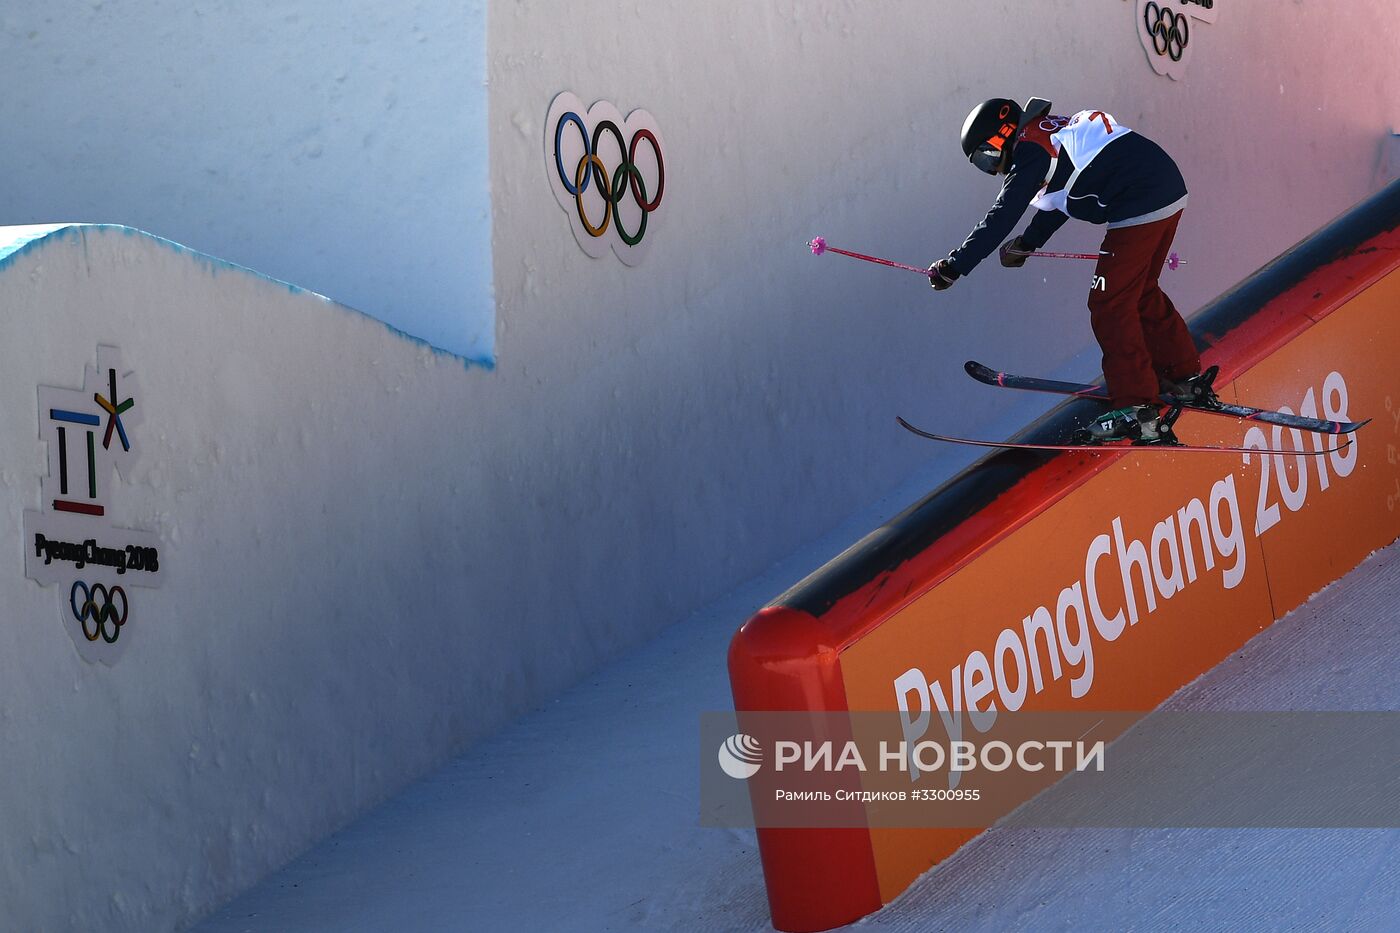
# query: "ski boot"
{"type": "Point", "coordinates": [1141, 424]}
{"type": "Point", "coordinates": [1196, 391]}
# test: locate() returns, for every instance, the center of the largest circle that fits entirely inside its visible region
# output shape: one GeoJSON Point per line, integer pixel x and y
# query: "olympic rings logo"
{"type": "Point", "coordinates": [626, 176]}
{"type": "Point", "coordinates": [98, 606]}
{"type": "Point", "coordinates": [609, 178]}
{"type": "Point", "coordinates": [1170, 31]}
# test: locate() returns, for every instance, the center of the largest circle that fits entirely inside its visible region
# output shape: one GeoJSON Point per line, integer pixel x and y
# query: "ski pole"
{"type": "Point", "coordinates": [1173, 260]}
{"type": "Point", "coordinates": [818, 245]}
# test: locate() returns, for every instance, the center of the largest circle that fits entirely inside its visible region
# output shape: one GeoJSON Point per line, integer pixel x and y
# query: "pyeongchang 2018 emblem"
{"type": "Point", "coordinates": [71, 541]}
{"type": "Point", "coordinates": [1164, 26]}
{"type": "Point", "coordinates": [608, 174]}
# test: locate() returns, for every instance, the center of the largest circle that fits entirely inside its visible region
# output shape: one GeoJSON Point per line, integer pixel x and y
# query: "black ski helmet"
{"type": "Point", "coordinates": [990, 128]}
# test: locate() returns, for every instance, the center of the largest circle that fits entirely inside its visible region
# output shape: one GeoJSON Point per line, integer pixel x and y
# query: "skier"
{"type": "Point", "coordinates": [1091, 167]}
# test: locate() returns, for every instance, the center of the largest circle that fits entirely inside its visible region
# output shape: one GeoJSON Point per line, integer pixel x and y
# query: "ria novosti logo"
{"type": "Point", "coordinates": [740, 756]}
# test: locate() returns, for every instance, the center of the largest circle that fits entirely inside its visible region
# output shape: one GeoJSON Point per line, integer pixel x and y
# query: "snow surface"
{"type": "Point", "coordinates": [583, 815]}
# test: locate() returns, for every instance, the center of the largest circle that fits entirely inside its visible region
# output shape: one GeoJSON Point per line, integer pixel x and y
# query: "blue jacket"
{"type": "Point", "coordinates": [1131, 177]}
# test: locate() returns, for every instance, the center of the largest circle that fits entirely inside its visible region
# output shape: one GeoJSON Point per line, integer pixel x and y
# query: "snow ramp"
{"type": "Point", "coordinates": [1096, 580]}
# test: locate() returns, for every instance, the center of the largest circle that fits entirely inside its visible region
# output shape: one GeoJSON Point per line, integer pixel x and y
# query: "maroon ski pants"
{"type": "Point", "coordinates": [1138, 328]}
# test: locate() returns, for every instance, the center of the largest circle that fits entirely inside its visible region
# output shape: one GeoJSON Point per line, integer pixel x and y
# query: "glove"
{"type": "Point", "coordinates": [1013, 253]}
{"type": "Point", "coordinates": [942, 275]}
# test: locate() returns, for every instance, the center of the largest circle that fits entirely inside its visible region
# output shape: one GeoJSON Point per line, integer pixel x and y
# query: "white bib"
{"type": "Point", "coordinates": [1083, 138]}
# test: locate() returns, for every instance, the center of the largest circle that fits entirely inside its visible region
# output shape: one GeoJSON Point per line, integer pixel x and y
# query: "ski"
{"type": "Point", "coordinates": [991, 377]}
{"type": "Point", "coordinates": [1118, 446]}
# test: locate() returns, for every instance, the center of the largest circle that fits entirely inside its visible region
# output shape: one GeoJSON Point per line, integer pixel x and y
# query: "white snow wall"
{"type": "Point", "coordinates": [368, 562]}
{"type": "Point", "coordinates": [376, 553]}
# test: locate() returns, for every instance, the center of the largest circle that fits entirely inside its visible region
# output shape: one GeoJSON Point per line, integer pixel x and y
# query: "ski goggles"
{"type": "Point", "coordinates": [988, 156]}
